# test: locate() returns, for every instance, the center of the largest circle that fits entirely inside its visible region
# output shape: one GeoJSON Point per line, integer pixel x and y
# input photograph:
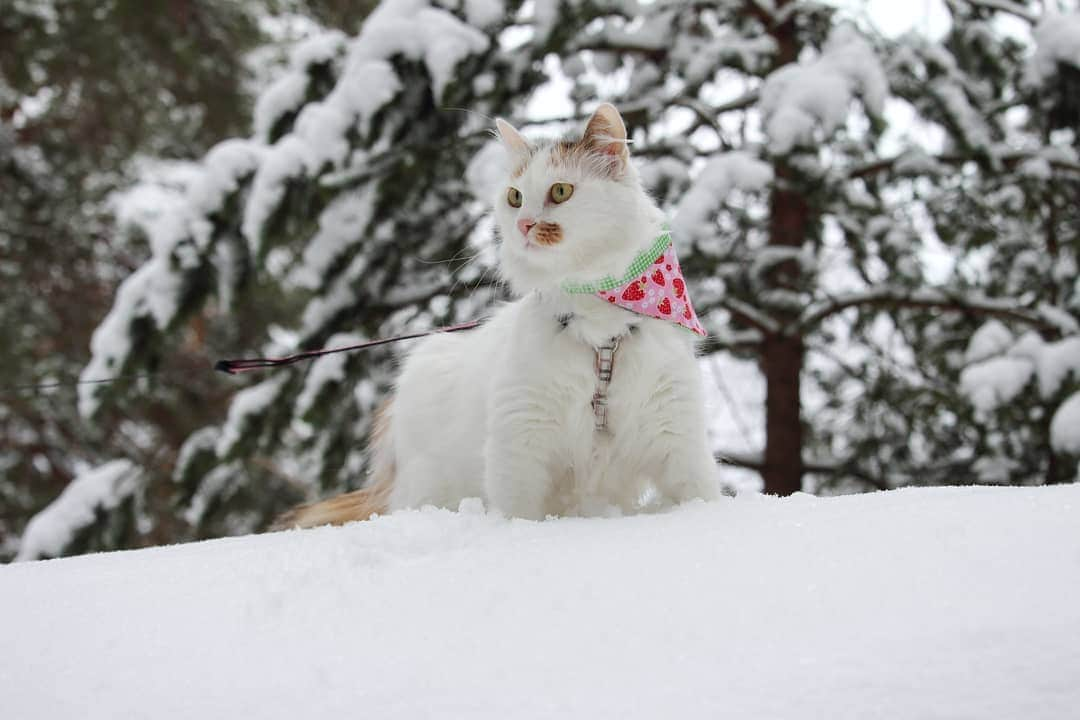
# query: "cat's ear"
{"type": "Point", "coordinates": [511, 138]}
{"type": "Point", "coordinates": [606, 133]}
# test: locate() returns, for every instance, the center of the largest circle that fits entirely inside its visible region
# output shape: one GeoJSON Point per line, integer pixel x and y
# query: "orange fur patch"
{"type": "Point", "coordinates": [548, 233]}
{"type": "Point", "coordinates": [565, 152]}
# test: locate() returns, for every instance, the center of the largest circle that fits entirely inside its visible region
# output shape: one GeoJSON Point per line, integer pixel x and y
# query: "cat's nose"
{"type": "Point", "coordinates": [525, 225]}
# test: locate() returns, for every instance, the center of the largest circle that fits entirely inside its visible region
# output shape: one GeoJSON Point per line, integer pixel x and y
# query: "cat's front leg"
{"type": "Point", "coordinates": [518, 459]}
{"type": "Point", "coordinates": [689, 474]}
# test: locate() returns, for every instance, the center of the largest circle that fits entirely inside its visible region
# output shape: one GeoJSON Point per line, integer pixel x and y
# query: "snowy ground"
{"type": "Point", "coordinates": [942, 603]}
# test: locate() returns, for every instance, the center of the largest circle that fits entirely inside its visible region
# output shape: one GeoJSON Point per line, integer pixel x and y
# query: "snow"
{"type": "Point", "coordinates": [50, 531]}
{"type": "Point", "coordinates": [246, 404]}
{"type": "Point", "coordinates": [945, 602]}
{"type": "Point", "coordinates": [320, 135]}
{"type": "Point", "coordinates": [326, 369]}
{"type": "Point", "coordinates": [798, 99]}
{"type": "Point", "coordinates": [366, 88]}
{"type": "Point", "coordinates": [1054, 361]}
{"type": "Point", "coordinates": [1065, 427]}
{"type": "Point", "coordinates": [969, 121]}
{"type": "Point", "coordinates": [992, 338]}
{"type": "Point", "coordinates": [482, 13]}
{"type": "Point", "coordinates": [171, 209]}
{"type": "Point", "coordinates": [340, 296]}
{"type": "Point", "coordinates": [994, 382]}
{"type": "Point", "coordinates": [721, 175]}
{"type": "Point", "coordinates": [701, 56]}
{"type": "Point", "coordinates": [151, 291]}
{"type": "Point", "coordinates": [317, 49]}
{"type": "Point", "coordinates": [223, 168]}
{"type": "Point", "coordinates": [282, 162]}
{"type": "Point", "coordinates": [1057, 40]}
{"type": "Point", "coordinates": [415, 29]}
{"type": "Point", "coordinates": [285, 95]}
{"type": "Point", "coordinates": [341, 225]}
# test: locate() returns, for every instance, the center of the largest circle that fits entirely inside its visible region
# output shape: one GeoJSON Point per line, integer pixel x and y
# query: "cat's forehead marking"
{"type": "Point", "coordinates": [560, 152]}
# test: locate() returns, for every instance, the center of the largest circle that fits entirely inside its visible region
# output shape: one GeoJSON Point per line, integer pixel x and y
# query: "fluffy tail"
{"type": "Point", "coordinates": [359, 504]}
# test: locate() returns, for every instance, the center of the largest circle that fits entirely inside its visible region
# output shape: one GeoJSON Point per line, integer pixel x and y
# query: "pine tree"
{"type": "Point", "coordinates": [91, 96]}
{"type": "Point", "coordinates": [850, 208]}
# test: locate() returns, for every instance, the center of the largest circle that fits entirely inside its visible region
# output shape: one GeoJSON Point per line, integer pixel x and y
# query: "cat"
{"type": "Point", "coordinates": [515, 412]}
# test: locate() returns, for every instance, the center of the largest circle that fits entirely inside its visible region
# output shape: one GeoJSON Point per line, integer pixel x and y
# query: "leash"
{"type": "Point", "coordinates": [242, 365]}
{"type": "Point", "coordinates": [234, 367]}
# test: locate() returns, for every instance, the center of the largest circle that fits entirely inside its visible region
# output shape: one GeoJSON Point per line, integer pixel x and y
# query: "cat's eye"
{"type": "Point", "coordinates": [560, 192]}
{"type": "Point", "coordinates": [513, 196]}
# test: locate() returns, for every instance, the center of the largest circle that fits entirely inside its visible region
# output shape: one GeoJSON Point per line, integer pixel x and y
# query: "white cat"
{"type": "Point", "coordinates": [506, 412]}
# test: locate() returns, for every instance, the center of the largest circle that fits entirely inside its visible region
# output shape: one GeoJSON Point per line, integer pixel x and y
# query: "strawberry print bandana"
{"type": "Point", "coordinates": [653, 286]}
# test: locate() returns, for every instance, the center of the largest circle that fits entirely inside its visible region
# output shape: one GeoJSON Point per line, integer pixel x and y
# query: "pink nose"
{"type": "Point", "coordinates": [525, 225]}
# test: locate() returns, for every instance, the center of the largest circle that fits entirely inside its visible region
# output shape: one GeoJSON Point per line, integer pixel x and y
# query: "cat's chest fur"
{"type": "Point", "coordinates": [551, 357]}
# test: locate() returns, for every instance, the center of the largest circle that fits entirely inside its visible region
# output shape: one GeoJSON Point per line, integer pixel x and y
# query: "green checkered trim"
{"type": "Point", "coordinates": [638, 267]}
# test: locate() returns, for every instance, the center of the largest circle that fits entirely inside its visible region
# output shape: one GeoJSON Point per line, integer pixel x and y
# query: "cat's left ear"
{"type": "Point", "coordinates": [606, 133]}
{"type": "Point", "coordinates": [511, 138]}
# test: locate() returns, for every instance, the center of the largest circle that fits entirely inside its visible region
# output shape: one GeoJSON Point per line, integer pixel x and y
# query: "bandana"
{"type": "Point", "coordinates": [653, 285]}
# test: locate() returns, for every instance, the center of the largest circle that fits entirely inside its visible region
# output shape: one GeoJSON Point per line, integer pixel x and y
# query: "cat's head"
{"type": "Point", "coordinates": [571, 209]}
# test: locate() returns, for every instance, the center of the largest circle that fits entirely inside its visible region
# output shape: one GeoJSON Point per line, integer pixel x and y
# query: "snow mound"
{"type": "Point", "coordinates": [940, 602]}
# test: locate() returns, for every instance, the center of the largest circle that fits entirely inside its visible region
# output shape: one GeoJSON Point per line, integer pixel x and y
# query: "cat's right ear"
{"type": "Point", "coordinates": [511, 138]}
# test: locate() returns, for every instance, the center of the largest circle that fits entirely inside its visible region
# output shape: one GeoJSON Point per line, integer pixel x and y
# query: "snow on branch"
{"type": "Point", "coordinates": [916, 162]}
{"type": "Point", "coordinates": [750, 314]}
{"type": "Point", "coordinates": [1065, 427]}
{"type": "Point", "coordinates": [898, 297]}
{"type": "Point", "coordinates": [722, 174]}
{"type": "Point", "coordinates": [1057, 44]}
{"type": "Point", "coordinates": [184, 233]}
{"type": "Point", "coordinates": [104, 488]}
{"type": "Point", "coordinates": [800, 99]}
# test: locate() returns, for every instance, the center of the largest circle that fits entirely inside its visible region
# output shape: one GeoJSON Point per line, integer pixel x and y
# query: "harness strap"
{"type": "Point", "coordinates": [605, 364]}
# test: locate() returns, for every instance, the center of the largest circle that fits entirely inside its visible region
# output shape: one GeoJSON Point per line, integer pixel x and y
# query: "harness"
{"type": "Point", "coordinates": [603, 365]}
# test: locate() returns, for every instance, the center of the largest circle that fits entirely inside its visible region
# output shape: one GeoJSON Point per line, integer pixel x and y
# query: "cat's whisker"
{"type": "Point", "coordinates": [459, 255]}
{"type": "Point", "coordinates": [458, 272]}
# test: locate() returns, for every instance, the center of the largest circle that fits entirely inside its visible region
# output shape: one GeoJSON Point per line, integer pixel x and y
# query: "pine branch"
{"type": "Point", "coordinates": [755, 461]}
{"type": "Point", "coordinates": [1008, 159]}
{"type": "Point", "coordinates": [733, 340]}
{"type": "Point", "coordinates": [654, 53]}
{"type": "Point", "coordinates": [750, 315]}
{"type": "Point", "coordinates": [1005, 6]}
{"type": "Point", "coordinates": [929, 299]}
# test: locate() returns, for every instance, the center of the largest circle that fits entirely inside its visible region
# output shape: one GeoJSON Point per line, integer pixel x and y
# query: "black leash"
{"type": "Point", "coordinates": [233, 367]}
{"type": "Point", "coordinates": [12, 390]}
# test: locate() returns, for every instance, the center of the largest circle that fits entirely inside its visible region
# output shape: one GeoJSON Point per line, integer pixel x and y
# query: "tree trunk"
{"type": "Point", "coordinates": [783, 469]}
{"type": "Point", "coordinates": [782, 355]}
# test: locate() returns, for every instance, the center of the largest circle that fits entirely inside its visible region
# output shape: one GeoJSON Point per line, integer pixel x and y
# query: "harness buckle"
{"type": "Point", "coordinates": [605, 364]}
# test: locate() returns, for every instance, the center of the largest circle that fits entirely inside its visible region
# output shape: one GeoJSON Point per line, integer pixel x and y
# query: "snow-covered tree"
{"type": "Point", "coordinates": [92, 96]}
{"type": "Point", "coordinates": [851, 209]}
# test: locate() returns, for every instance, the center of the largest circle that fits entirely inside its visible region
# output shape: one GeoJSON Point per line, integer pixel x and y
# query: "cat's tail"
{"type": "Point", "coordinates": [359, 504]}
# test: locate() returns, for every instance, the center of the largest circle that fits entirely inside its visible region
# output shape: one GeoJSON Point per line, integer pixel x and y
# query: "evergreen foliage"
{"type": "Point", "coordinates": [887, 226]}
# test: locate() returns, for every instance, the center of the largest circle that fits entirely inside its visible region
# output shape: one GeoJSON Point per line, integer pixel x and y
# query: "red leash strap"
{"type": "Point", "coordinates": [233, 367]}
